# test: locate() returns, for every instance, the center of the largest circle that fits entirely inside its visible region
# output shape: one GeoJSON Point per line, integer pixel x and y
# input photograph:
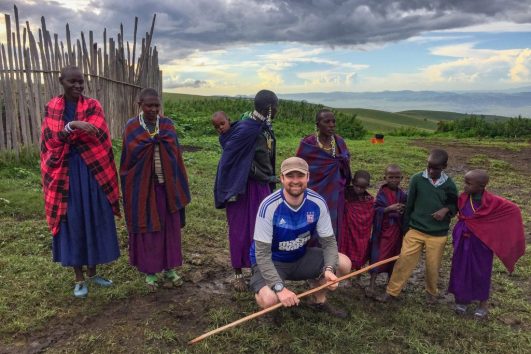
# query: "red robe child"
{"type": "Point", "coordinates": [356, 228]}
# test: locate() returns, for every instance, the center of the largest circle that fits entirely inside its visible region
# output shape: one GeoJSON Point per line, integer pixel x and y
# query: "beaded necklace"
{"type": "Point", "coordinates": [472, 204]}
{"type": "Point", "coordinates": [143, 124]}
{"type": "Point", "coordinates": [332, 148]}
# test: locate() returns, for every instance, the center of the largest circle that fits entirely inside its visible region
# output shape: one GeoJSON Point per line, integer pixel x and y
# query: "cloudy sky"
{"type": "Point", "coordinates": [235, 47]}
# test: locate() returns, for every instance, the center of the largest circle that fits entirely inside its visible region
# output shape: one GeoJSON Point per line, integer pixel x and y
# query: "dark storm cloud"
{"type": "Point", "coordinates": [184, 26]}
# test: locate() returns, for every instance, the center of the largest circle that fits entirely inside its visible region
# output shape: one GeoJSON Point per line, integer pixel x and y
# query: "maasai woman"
{"type": "Point", "coordinates": [79, 182]}
{"type": "Point", "coordinates": [357, 224]}
{"type": "Point", "coordinates": [245, 176]}
{"type": "Point", "coordinates": [387, 231]}
{"type": "Point", "coordinates": [488, 225]}
{"type": "Point", "coordinates": [155, 192]}
{"type": "Point", "coordinates": [329, 159]}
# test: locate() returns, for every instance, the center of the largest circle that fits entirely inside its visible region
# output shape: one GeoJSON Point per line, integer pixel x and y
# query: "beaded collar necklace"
{"type": "Point", "coordinates": [332, 148]}
{"type": "Point", "coordinates": [143, 124]}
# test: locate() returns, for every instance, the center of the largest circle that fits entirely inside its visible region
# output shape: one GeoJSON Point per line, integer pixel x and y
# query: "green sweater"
{"type": "Point", "coordinates": [424, 199]}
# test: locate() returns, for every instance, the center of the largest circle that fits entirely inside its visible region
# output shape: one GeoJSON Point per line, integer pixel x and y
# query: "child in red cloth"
{"type": "Point", "coordinates": [357, 222]}
{"type": "Point", "coordinates": [488, 224]}
{"type": "Point", "coordinates": [387, 232]}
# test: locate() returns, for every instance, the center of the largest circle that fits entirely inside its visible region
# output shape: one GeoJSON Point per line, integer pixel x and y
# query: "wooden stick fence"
{"type": "Point", "coordinates": [114, 70]}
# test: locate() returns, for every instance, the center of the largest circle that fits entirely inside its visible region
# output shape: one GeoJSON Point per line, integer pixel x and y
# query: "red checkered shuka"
{"type": "Point", "coordinates": [96, 152]}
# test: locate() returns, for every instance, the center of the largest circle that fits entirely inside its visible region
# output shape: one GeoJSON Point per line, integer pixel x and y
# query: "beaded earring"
{"type": "Point", "coordinates": [269, 113]}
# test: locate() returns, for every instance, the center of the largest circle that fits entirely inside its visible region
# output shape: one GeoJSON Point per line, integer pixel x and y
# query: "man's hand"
{"type": "Point", "coordinates": [440, 214]}
{"type": "Point", "coordinates": [288, 298]}
{"type": "Point", "coordinates": [329, 276]}
{"type": "Point", "coordinates": [85, 126]}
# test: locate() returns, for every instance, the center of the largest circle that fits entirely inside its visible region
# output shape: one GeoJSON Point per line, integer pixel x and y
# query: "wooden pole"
{"type": "Point", "coordinates": [274, 307]}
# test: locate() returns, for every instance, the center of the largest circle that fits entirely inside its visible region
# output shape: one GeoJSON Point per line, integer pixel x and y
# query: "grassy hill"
{"type": "Point", "coordinates": [443, 115]}
{"type": "Point", "coordinates": [372, 119]}
{"type": "Point", "coordinates": [376, 120]}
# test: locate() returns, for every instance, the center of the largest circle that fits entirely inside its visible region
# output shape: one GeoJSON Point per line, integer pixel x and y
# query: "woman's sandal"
{"type": "Point", "coordinates": [481, 313]}
{"type": "Point", "coordinates": [151, 282]}
{"type": "Point", "coordinates": [239, 283]}
{"type": "Point", "coordinates": [172, 279]}
{"type": "Point", "coordinates": [460, 309]}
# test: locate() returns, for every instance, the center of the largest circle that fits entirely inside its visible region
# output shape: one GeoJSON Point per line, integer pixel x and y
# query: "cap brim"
{"type": "Point", "coordinates": [295, 169]}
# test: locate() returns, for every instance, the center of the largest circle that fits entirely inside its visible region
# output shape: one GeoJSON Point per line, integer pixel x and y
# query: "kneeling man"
{"type": "Point", "coordinates": [286, 221]}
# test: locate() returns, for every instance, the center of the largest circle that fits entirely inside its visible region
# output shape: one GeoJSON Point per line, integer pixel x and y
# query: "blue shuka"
{"type": "Point", "coordinates": [235, 162]}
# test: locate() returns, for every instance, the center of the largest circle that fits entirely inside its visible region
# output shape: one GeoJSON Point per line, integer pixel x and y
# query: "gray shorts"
{"type": "Point", "coordinates": [309, 266]}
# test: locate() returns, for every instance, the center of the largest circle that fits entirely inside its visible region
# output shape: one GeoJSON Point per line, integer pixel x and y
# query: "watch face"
{"type": "Point", "coordinates": [278, 287]}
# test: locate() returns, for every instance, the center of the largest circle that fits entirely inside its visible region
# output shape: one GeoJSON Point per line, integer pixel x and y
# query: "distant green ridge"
{"type": "Point", "coordinates": [372, 119]}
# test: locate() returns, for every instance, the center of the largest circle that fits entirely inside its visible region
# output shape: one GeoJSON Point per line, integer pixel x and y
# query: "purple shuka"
{"type": "Point", "coordinates": [471, 271]}
{"type": "Point", "coordinates": [153, 252]}
{"type": "Point", "coordinates": [241, 217]}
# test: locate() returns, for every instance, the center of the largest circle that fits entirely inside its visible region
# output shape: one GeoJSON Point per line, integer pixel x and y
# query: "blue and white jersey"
{"type": "Point", "coordinates": [288, 230]}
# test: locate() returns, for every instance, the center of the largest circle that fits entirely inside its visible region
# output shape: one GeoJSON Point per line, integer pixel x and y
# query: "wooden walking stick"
{"type": "Point", "coordinates": [274, 307]}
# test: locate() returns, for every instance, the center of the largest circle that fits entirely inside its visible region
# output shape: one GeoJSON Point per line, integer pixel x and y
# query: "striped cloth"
{"type": "Point", "coordinates": [328, 174]}
{"type": "Point", "coordinates": [95, 150]}
{"type": "Point", "coordinates": [138, 177]}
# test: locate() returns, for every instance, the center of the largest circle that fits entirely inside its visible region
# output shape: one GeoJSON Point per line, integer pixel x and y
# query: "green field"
{"type": "Point", "coordinates": [39, 313]}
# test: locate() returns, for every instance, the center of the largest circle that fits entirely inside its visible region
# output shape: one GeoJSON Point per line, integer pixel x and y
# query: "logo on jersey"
{"type": "Point", "coordinates": [292, 245]}
{"type": "Point", "coordinates": [282, 221]}
{"type": "Point", "coordinates": [310, 217]}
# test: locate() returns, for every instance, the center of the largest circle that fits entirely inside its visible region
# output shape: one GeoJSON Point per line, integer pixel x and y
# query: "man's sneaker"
{"type": "Point", "coordinates": [331, 310]}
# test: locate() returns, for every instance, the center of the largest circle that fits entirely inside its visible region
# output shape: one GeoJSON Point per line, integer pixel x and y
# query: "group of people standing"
{"type": "Point", "coordinates": [323, 222]}
{"type": "Point", "coordinates": [320, 225]}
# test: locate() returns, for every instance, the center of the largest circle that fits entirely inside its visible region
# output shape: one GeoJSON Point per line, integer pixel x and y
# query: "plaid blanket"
{"type": "Point", "coordinates": [328, 175]}
{"type": "Point", "coordinates": [138, 178]}
{"type": "Point", "coordinates": [96, 151]}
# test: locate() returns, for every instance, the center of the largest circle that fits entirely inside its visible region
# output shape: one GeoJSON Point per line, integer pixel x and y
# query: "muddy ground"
{"type": "Point", "coordinates": [185, 310]}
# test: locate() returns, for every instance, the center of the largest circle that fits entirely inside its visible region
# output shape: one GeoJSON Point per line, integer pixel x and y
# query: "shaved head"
{"type": "Point", "coordinates": [480, 176]}
{"type": "Point", "coordinates": [392, 168]}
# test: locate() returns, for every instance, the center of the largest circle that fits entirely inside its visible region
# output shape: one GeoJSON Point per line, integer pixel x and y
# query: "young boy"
{"type": "Point", "coordinates": [357, 221]}
{"type": "Point", "coordinates": [221, 122]}
{"type": "Point", "coordinates": [387, 231]}
{"type": "Point", "coordinates": [431, 203]}
{"type": "Point", "coordinates": [487, 223]}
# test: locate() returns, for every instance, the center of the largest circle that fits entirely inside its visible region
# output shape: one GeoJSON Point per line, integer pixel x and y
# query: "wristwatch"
{"type": "Point", "coordinates": [278, 287]}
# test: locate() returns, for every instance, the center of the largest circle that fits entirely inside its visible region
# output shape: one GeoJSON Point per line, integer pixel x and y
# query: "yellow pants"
{"type": "Point", "coordinates": [412, 246]}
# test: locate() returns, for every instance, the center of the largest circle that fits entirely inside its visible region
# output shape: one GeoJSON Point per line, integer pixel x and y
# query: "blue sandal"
{"type": "Point", "coordinates": [80, 290]}
{"type": "Point", "coordinates": [96, 279]}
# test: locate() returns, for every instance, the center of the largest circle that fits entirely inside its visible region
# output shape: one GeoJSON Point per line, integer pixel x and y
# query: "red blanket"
{"type": "Point", "coordinates": [498, 223]}
{"type": "Point", "coordinates": [356, 230]}
{"type": "Point", "coordinates": [96, 151]}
